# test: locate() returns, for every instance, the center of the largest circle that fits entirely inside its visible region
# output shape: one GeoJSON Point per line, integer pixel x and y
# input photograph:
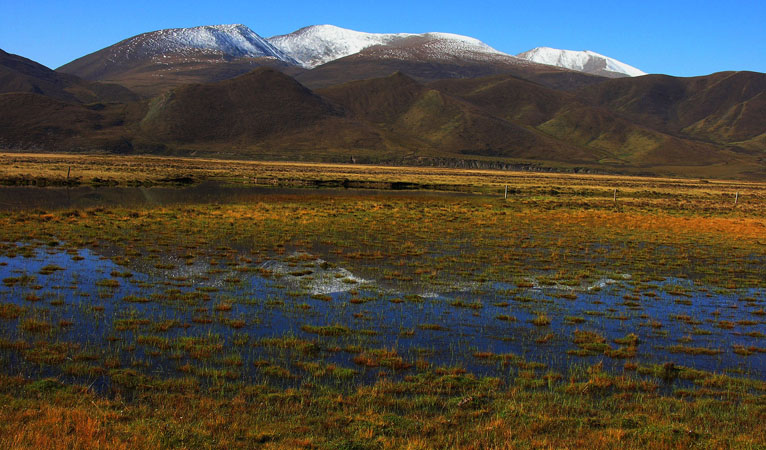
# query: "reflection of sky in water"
{"type": "Point", "coordinates": [53, 198]}
{"type": "Point", "coordinates": [275, 306]}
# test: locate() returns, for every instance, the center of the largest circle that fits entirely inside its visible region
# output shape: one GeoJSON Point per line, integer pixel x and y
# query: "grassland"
{"type": "Point", "coordinates": [578, 311]}
{"type": "Point", "coordinates": [46, 169]}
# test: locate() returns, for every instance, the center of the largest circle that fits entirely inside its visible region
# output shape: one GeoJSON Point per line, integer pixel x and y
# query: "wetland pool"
{"type": "Point", "coordinates": [295, 318]}
{"type": "Point", "coordinates": [23, 198]}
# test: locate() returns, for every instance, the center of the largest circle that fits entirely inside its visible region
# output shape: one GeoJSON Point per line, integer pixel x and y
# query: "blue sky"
{"type": "Point", "coordinates": [683, 38]}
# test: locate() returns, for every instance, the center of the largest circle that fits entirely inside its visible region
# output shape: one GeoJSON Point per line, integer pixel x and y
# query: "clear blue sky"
{"type": "Point", "coordinates": [683, 38]}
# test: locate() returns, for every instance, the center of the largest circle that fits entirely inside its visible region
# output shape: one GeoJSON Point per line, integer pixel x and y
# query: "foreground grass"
{"type": "Point", "coordinates": [429, 411]}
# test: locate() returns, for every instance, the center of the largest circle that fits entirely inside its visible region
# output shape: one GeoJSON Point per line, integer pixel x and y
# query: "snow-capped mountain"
{"type": "Point", "coordinates": [321, 56]}
{"type": "Point", "coordinates": [319, 44]}
{"type": "Point", "coordinates": [177, 45]}
{"type": "Point", "coordinates": [582, 61]}
{"type": "Point", "coordinates": [150, 62]}
{"type": "Point", "coordinates": [227, 40]}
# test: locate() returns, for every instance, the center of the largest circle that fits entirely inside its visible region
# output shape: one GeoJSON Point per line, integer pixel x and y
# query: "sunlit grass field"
{"type": "Point", "coordinates": [159, 302]}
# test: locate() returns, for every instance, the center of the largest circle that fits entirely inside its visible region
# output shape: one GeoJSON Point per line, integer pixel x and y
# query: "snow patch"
{"type": "Point", "coordinates": [235, 41]}
{"type": "Point", "coordinates": [319, 44]}
{"type": "Point", "coordinates": [583, 61]}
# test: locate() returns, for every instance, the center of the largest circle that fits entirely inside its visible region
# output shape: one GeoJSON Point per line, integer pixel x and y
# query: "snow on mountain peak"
{"type": "Point", "coordinates": [448, 45]}
{"type": "Point", "coordinates": [228, 40]}
{"type": "Point", "coordinates": [465, 40]}
{"type": "Point", "coordinates": [315, 45]}
{"type": "Point", "coordinates": [583, 61]}
{"type": "Point", "coordinates": [318, 44]}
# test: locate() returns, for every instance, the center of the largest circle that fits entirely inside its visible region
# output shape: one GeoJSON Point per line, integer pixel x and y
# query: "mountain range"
{"type": "Point", "coordinates": [320, 56]}
{"type": "Point", "coordinates": [331, 94]}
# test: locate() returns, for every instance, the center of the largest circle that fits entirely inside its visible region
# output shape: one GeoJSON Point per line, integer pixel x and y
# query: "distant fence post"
{"type": "Point", "coordinates": [615, 195]}
{"type": "Point", "coordinates": [736, 198]}
{"type": "Point", "coordinates": [506, 192]}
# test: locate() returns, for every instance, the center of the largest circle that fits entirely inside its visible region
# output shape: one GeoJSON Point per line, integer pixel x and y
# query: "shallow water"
{"type": "Point", "coordinates": [443, 326]}
{"type": "Point", "coordinates": [14, 198]}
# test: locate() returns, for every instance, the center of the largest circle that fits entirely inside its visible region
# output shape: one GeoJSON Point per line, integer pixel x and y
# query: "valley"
{"type": "Point", "coordinates": [338, 239]}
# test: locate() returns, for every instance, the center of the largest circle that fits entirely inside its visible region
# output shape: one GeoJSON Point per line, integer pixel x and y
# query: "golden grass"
{"type": "Point", "coordinates": [566, 228]}
{"type": "Point", "coordinates": [154, 169]}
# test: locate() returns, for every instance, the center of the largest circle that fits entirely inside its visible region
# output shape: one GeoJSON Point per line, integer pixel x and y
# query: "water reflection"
{"type": "Point", "coordinates": [14, 198]}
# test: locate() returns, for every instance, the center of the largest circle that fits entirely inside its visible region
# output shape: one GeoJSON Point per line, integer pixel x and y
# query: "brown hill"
{"type": "Point", "coordinates": [416, 58]}
{"type": "Point", "coordinates": [632, 125]}
{"type": "Point", "coordinates": [247, 108]}
{"type": "Point", "coordinates": [149, 78]}
{"type": "Point", "coordinates": [153, 62]}
{"type": "Point", "coordinates": [266, 110]}
{"type": "Point", "coordinates": [574, 121]}
{"type": "Point", "coordinates": [725, 107]}
{"type": "Point", "coordinates": [417, 117]}
{"type": "Point", "coordinates": [19, 74]}
{"type": "Point", "coordinates": [38, 122]}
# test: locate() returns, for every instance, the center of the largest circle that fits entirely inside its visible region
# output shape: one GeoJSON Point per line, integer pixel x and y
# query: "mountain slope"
{"type": "Point", "coordinates": [318, 56]}
{"type": "Point", "coordinates": [416, 116]}
{"type": "Point", "coordinates": [567, 118]}
{"type": "Point", "coordinates": [435, 56]}
{"type": "Point", "coordinates": [582, 61]}
{"type": "Point", "coordinates": [705, 126]}
{"type": "Point", "coordinates": [19, 74]}
{"type": "Point", "coordinates": [249, 107]}
{"type": "Point", "coordinates": [725, 107]}
{"type": "Point", "coordinates": [319, 44]}
{"type": "Point", "coordinates": [219, 42]}
{"type": "Point", "coordinates": [36, 122]}
{"type": "Point", "coordinates": [153, 62]}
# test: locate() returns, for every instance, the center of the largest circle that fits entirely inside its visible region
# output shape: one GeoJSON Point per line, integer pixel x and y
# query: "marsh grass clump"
{"type": "Point", "coordinates": [327, 330]}
{"type": "Point", "coordinates": [49, 269]}
{"type": "Point", "coordinates": [505, 318]}
{"type": "Point", "coordinates": [33, 325]}
{"type": "Point", "coordinates": [432, 327]}
{"type": "Point", "coordinates": [222, 307]}
{"type": "Point", "coordinates": [130, 323]}
{"type": "Point", "coordinates": [110, 283]}
{"type": "Point", "coordinates": [304, 346]}
{"type": "Point", "coordinates": [630, 340]}
{"type": "Point", "coordinates": [589, 342]}
{"type": "Point", "coordinates": [49, 354]}
{"type": "Point", "coordinates": [10, 311]}
{"type": "Point", "coordinates": [159, 342]}
{"type": "Point", "coordinates": [381, 358]}
{"type": "Point", "coordinates": [32, 297]}
{"type": "Point", "coordinates": [689, 350]}
{"type": "Point", "coordinates": [541, 320]}
{"type": "Point", "coordinates": [275, 371]}
{"type": "Point", "coordinates": [574, 320]}
{"type": "Point", "coordinates": [22, 280]}
{"type": "Point", "coordinates": [463, 304]}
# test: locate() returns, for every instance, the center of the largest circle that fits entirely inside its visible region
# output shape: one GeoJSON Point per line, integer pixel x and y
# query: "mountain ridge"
{"type": "Point", "coordinates": [424, 99]}
{"type": "Point", "coordinates": [152, 62]}
{"type": "Point", "coordinates": [315, 45]}
{"type": "Point", "coordinates": [582, 61]}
